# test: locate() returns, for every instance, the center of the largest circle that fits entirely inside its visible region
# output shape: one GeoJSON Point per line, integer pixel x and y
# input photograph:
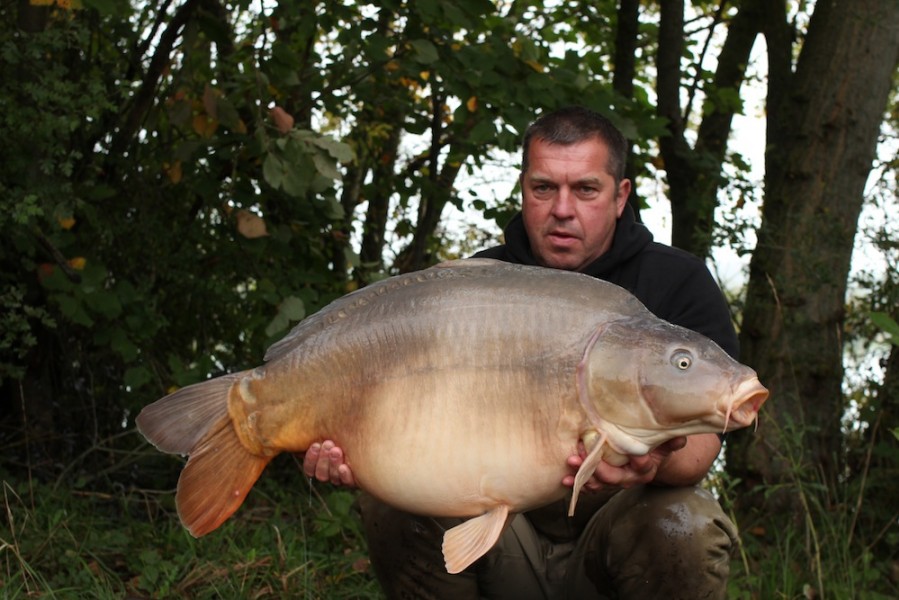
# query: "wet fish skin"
{"type": "Point", "coordinates": [490, 371]}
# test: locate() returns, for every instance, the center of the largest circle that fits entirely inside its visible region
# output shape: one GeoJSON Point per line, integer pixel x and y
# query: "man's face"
{"type": "Point", "coordinates": [570, 203]}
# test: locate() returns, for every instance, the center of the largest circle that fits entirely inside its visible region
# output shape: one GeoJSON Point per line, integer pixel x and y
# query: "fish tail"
{"type": "Point", "coordinates": [217, 478]}
{"type": "Point", "coordinates": [176, 424]}
{"type": "Point", "coordinates": [220, 471]}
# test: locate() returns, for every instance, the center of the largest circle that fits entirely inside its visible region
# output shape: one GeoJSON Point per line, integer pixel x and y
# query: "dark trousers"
{"type": "Point", "coordinates": [645, 542]}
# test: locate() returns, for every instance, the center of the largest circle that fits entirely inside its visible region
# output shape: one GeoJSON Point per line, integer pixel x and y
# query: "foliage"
{"type": "Point", "coordinates": [186, 180]}
{"type": "Point", "coordinates": [76, 543]}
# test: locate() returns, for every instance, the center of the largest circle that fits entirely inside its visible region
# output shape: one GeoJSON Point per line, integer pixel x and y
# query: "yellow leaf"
{"type": "Point", "coordinates": [66, 222]}
{"type": "Point", "coordinates": [250, 225]}
{"type": "Point", "coordinates": [534, 65]}
{"type": "Point", "coordinates": [425, 75]}
{"type": "Point", "coordinates": [173, 171]}
{"type": "Point", "coordinates": [472, 104]}
{"type": "Point", "coordinates": [204, 126]}
{"type": "Point", "coordinates": [77, 263]}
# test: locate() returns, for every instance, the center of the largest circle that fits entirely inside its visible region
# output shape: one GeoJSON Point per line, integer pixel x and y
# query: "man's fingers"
{"type": "Point", "coordinates": [334, 462]}
{"type": "Point", "coordinates": [323, 462]}
{"type": "Point", "coordinates": [310, 459]}
{"type": "Point", "coordinates": [346, 475]}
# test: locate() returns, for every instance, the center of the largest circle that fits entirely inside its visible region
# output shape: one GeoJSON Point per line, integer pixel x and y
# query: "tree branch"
{"type": "Point", "coordinates": [142, 100]}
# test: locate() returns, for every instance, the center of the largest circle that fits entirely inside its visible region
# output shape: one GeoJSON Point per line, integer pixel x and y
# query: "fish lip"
{"type": "Point", "coordinates": [750, 395]}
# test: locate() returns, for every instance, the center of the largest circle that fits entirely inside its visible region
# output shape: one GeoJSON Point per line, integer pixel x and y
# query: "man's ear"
{"type": "Point", "coordinates": [623, 193]}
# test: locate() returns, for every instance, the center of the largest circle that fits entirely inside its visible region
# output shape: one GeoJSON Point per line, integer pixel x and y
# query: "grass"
{"type": "Point", "coordinates": [835, 539]}
{"type": "Point", "coordinates": [126, 542]}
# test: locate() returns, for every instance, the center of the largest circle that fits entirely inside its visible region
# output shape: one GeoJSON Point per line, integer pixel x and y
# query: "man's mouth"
{"type": "Point", "coordinates": [562, 238]}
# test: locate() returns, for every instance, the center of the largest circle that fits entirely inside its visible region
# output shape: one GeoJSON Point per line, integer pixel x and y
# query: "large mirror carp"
{"type": "Point", "coordinates": [490, 372]}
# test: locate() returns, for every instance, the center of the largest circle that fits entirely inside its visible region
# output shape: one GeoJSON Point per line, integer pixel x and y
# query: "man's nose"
{"type": "Point", "coordinates": [563, 204]}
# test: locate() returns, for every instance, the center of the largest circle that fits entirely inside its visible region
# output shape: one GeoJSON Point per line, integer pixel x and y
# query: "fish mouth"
{"type": "Point", "coordinates": [744, 410]}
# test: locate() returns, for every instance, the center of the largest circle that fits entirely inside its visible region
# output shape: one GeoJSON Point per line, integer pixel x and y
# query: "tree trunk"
{"type": "Point", "coordinates": [694, 174]}
{"type": "Point", "coordinates": [626, 34]}
{"type": "Point", "coordinates": [821, 140]}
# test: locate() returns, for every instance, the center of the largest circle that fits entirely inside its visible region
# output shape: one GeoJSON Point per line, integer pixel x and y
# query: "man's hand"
{"type": "Point", "coordinates": [638, 470]}
{"type": "Point", "coordinates": [326, 462]}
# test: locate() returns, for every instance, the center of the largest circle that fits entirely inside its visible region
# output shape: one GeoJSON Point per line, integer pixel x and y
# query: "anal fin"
{"type": "Point", "coordinates": [465, 543]}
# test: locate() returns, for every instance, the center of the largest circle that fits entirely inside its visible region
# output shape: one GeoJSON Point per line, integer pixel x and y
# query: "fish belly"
{"type": "Point", "coordinates": [460, 443]}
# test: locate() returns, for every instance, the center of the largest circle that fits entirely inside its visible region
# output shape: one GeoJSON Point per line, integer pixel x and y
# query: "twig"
{"type": "Point", "coordinates": [861, 491]}
{"type": "Point", "coordinates": [27, 446]}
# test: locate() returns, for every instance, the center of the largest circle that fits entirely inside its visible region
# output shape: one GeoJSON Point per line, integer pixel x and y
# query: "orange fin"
{"type": "Point", "coordinates": [220, 470]}
{"type": "Point", "coordinates": [465, 543]}
{"type": "Point", "coordinates": [217, 478]}
{"type": "Point", "coordinates": [177, 423]}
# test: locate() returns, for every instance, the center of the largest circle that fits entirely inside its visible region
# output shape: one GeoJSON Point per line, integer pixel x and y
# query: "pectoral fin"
{"type": "Point", "coordinates": [587, 467]}
{"type": "Point", "coordinates": [465, 543]}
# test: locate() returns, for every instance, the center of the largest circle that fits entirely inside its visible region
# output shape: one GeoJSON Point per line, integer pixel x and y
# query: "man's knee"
{"type": "Point", "coordinates": [686, 520]}
{"type": "Point", "coordinates": [660, 542]}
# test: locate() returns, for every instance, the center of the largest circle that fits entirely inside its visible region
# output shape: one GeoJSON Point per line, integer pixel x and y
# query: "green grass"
{"type": "Point", "coordinates": [127, 542]}
{"type": "Point", "coordinates": [833, 539]}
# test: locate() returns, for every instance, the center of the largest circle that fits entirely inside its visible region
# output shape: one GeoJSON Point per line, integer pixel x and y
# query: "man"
{"type": "Point", "coordinates": [641, 530]}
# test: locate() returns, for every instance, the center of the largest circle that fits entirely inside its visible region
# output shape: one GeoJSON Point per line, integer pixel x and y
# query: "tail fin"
{"type": "Point", "coordinates": [220, 471]}
{"type": "Point", "coordinates": [217, 478]}
{"type": "Point", "coordinates": [177, 423]}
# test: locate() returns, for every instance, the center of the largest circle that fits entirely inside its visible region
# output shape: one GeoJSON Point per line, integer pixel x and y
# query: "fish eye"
{"type": "Point", "coordinates": [682, 359]}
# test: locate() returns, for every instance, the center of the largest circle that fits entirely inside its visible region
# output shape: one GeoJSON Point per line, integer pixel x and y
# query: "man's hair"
{"type": "Point", "coordinates": [575, 124]}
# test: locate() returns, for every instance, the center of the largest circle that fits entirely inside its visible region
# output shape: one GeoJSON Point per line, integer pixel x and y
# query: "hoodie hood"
{"type": "Point", "coordinates": [630, 239]}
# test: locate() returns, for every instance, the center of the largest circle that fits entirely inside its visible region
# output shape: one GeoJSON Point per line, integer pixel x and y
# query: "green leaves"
{"type": "Point", "coordinates": [887, 324]}
{"type": "Point", "coordinates": [290, 309]}
{"type": "Point", "coordinates": [18, 320]}
{"type": "Point", "coordinates": [424, 52]}
{"type": "Point", "coordinates": [303, 162]}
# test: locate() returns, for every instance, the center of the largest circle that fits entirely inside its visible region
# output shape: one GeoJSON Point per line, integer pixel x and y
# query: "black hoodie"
{"type": "Point", "coordinates": [673, 284]}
